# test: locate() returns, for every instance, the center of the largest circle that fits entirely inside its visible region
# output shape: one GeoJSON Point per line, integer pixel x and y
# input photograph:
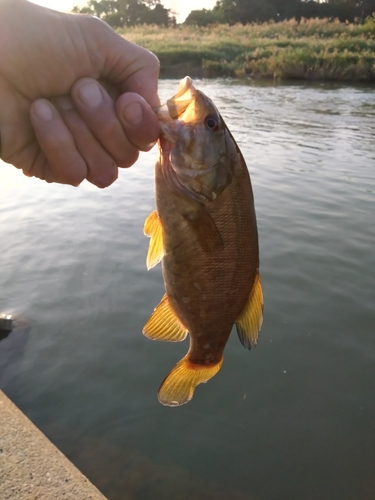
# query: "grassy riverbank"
{"type": "Point", "coordinates": [313, 49]}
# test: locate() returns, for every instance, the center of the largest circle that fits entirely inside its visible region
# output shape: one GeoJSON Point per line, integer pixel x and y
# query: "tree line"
{"type": "Point", "coordinates": [119, 13]}
{"type": "Point", "coordinates": [259, 11]}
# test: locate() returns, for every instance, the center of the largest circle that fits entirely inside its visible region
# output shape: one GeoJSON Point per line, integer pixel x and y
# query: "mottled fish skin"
{"type": "Point", "coordinates": [208, 290]}
{"type": "Point", "coordinates": [210, 257]}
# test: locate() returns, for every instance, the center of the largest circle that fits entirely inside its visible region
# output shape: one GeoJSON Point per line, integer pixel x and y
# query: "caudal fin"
{"type": "Point", "coordinates": [179, 385]}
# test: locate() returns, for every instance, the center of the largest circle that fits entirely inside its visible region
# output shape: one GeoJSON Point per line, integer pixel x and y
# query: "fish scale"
{"type": "Point", "coordinates": [204, 229]}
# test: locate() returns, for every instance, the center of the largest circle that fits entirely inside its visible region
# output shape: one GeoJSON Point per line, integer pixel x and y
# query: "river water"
{"type": "Point", "coordinates": [293, 418]}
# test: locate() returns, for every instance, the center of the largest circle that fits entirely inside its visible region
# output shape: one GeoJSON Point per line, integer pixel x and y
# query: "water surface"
{"type": "Point", "coordinates": [294, 418]}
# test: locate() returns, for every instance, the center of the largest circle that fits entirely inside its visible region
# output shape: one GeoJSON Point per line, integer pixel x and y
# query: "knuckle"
{"type": "Point", "coordinates": [130, 158]}
{"type": "Point", "coordinates": [68, 170]}
{"type": "Point", "coordinates": [89, 21]}
{"type": "Point", "coordinates": [149, 146]}
{"type": "Point", "coordinates": [37, 166]}
{"type": "Point", "coordinates": [74, 178]}
{"type": "Point", "coordinates": [104, 179]}
{"type": "Point", "coordinates": [153, 62]}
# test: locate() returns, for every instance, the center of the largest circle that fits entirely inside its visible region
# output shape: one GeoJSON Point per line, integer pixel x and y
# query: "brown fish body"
{"type": "Point", "coordinates": [204, 232]}
{"type": "Point", "coordinates": [208, 290]}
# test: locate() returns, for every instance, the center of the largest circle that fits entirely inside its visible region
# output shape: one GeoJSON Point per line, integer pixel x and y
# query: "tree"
{"type": "Point", "coordinates": [204, 17]}
{"type": "Point", "coordinates": [118, 13]}
{"type": "Point", "coordinates": [353, 8]}
{"type": "Point", "coordinates": [249, 11]}
{"type": "Point", "coordinates": [246, 11]}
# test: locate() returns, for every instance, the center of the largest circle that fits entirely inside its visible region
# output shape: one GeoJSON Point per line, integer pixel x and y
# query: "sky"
{"type": "Point", "coordinates": [182, 7]}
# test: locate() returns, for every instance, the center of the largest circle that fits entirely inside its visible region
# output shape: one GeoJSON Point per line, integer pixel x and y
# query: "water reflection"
{"type": "Point", "coordinates": [292, 419]}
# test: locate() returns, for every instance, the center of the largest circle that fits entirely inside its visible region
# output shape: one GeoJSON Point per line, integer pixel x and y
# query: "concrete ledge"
{"type": "Point", "coordinates": [31, 467]}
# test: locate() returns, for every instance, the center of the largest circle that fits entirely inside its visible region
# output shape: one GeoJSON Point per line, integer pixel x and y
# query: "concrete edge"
{"type": "Point", "coordinates": [31, 467]}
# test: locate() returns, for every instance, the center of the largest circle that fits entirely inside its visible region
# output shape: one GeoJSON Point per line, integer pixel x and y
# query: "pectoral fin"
{"type": "Point", "coordinates": [179, 385]}
{"type": "Point", "coordinates": [153, 229]}
{"type": "Point", "coordinates": [249, 322]}
{"type": "Point", "coordinates": [205, 229]}
{"type": "Point", "coordinates": [164, 324]}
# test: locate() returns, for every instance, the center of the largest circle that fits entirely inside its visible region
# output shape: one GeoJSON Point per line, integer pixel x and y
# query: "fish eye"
{"type": "Point", "coordinates": [212, 122]}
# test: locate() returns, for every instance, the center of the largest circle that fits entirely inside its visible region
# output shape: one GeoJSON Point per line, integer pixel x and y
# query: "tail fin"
{"type": "Point", "coordinates": [179, 385]}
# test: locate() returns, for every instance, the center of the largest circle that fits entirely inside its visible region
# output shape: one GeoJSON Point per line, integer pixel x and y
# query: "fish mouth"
{"type": "Point", "coordinates": [177, 124]}
{"type": "Point", "coordinates": [168, 114]}
{"type": "Point", "coordinates": [186, 93]}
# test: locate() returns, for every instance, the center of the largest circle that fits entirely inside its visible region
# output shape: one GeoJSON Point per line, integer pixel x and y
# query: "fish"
{"type": "Point", "coordinates": [204, 233]}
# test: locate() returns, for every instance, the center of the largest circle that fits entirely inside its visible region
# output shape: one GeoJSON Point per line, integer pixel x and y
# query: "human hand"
{"type": "Point", "coordinates": [57, 120]}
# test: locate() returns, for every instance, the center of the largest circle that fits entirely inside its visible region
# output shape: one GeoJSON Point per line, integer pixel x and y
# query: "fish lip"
{"type": "Point", "coordinates": [168, 133]}
{"type": "Point", "coordinates": [176, 106]}
{"type": "Point", "coordinates": [186, 93]}
{"type": "Point", "coordinates": [171, 130]}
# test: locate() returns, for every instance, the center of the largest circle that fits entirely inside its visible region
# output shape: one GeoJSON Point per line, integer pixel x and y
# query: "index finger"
{"type": "Point", "coordinates": [128, 66]}
{"type": "Point", "coordinates": [144, 77]}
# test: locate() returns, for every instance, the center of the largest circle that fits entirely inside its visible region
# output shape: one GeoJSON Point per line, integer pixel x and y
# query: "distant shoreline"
{"type": "Point", "coordinates": [314, 49]}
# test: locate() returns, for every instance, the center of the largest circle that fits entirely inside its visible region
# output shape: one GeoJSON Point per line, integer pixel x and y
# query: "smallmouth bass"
{"type": "Point", "coordinates": [204, 232]}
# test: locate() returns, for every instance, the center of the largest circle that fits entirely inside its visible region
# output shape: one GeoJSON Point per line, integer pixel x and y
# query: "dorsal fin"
{"type": "Point", "coordinates": [179, 385]}
{"type": "Point", "coordinates": [249, 322]}
{"type": "Point", "coordinates": [153, 229]}
{"type": "Point", "coordinates": [164, 324]}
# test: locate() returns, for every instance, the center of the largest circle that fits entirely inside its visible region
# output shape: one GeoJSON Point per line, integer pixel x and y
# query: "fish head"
{"type": "Point", "coordinates": [196, 146]}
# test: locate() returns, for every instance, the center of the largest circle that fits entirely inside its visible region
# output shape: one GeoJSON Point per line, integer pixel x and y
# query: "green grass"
{"type": "Point", "coordinates": [316, 49]}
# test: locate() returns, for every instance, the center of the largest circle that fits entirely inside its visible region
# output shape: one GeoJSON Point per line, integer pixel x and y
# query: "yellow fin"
{"type": "Point", "coordinates": [164, 324]}
{"type": "Point", "coordinates": [153, 229]}
{"type": "Point", "coordinates": [178, 386]}
{"type": "Point", "coordinates": [249, 322]}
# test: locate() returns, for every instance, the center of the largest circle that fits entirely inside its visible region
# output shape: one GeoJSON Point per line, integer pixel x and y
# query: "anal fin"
{"type": "Point", "coordinates": [153, 229]}
{"type": "Point", "coordinates": [179, 385]}
{"type": "Point", "coordinates": [249, 322]}
{"type": "Point", "coordinates": [164, 324]}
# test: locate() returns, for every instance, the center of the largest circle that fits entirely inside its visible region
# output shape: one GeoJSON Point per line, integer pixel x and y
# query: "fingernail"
{"type": "Point", "coordinates": [133, 113]}
{"type": "Point", "coordinates": [43, 111]}
{"type": "Point", "coordinates": [90, 95]}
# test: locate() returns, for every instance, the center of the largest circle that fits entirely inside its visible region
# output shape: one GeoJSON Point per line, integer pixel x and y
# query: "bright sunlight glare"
{"type": "Point", "coordinates": [10, 177]}
{"type": "Point", "coordinates": [180, 7]}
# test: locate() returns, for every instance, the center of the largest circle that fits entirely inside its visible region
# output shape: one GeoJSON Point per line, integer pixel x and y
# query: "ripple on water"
{"type": "Point", "coordinates": [298, 409]}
